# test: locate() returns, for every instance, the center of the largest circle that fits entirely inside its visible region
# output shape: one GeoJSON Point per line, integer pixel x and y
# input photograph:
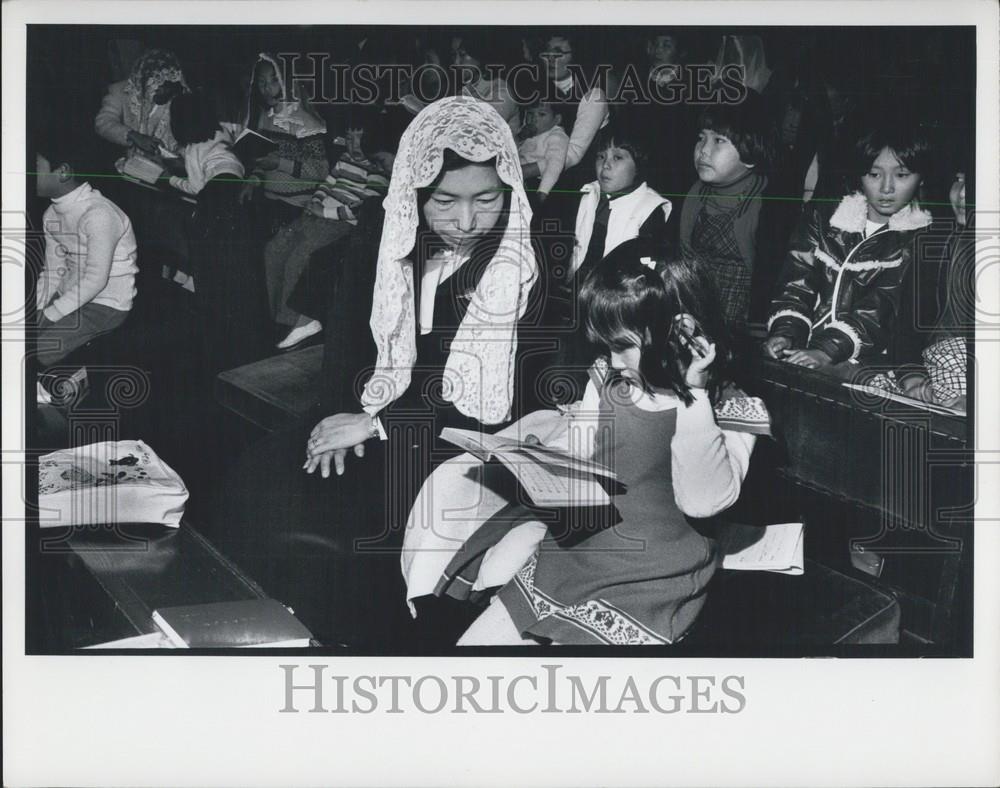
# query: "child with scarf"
{"type": "Point", "coordinates": [721, 212]}
{"type": "Point", "coordinates": [290, 175]}
{"type": "Point", "coordinates": [421, 334]}
{"type": "Point", "coordinates": [136, 113]}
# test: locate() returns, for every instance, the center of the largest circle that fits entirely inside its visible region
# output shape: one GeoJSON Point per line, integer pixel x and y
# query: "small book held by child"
{"type": "Point", "coordinates": [250, 145]}
{"type": "Point", "coordinates": [550, 477]}
{"type": "Point", "coordinates": [771, 548]}
{"type": "Point", "coordinates": [247, 623]}
{"type": "Point", "coordinates": [139, 168]}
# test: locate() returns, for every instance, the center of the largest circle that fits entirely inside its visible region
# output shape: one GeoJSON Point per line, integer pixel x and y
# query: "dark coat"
{"type": "Point", "coordinates": [839, 292]}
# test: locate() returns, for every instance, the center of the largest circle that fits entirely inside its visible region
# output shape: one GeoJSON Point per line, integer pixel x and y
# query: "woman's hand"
{"type": "Point", "coordinates": [338, 456]}
{"type": "Point", "coordinates": [774, 347]}
{"type": "Point", "coordinates": [144, 142]}
{"type": "Point", "coordinates": [332, 437]}
{"type": "Point", "coordinates": [811, 359]}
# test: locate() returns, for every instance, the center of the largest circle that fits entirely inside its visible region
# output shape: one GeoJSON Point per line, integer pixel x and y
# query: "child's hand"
{"type": "Point", "coordinates": [702, 356]}
{"type": "Point", "coordinates": [917, 386]}
{"type": "Point", "coordinates": [811, 359]}
{"type": "Point", "coordinates": [774, 347]}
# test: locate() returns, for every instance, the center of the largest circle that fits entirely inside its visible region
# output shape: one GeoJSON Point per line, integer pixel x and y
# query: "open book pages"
{"type": "Point", "coordinates": [250, 145]}
{"type": "Point", "coordinates": [915, 403]}
{"type": "Point", "coordinates": [549, 476]}
{"type": "Point", "coordinates": [772, 548]}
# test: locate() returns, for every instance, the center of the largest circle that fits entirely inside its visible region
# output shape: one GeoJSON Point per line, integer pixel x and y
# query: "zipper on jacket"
{"type": "Point", "coordinates": [832, 314]}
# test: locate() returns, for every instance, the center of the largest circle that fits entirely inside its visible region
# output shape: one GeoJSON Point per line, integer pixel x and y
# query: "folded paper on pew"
{"type": "Point", "coordinates": [773, 548]}
{"type": "Point", "coordinates": [108, 482]}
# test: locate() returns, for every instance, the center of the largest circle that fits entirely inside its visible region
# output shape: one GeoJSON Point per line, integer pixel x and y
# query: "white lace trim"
{"type": "Point", "coordinates": [480, 368]}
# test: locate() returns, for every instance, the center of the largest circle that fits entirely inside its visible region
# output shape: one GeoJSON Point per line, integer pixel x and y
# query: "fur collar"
{"type": "Point", "coordinates": [852, 213]}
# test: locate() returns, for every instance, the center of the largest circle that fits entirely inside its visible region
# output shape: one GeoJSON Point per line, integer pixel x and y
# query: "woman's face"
{"type": "Point", "coordinates": [267, 84]}
{"type": "Point", "coordinates": [465, 205]}
{"type": "Point", "coordinates": [888, 186]}
{"type": "Point", "coordinates": [557, 56]}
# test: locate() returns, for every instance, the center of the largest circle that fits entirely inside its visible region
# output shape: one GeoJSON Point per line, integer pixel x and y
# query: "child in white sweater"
{"type": "Point", "coordinates": [87, 284]}
{"type": "Point", "coordinates": [543, 155]}
{"type": "Point", "coordinates": [204, 143]}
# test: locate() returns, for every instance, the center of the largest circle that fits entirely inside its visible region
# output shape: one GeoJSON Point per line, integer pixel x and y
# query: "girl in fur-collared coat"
{"type": "Point", "coordinates": [840, 288]}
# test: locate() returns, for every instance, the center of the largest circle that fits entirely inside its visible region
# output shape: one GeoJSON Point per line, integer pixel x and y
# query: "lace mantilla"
{"type": "Point", "coordinates": [479, 372]}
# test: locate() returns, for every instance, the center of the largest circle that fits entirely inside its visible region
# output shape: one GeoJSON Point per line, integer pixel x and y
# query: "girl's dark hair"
{"type": "Point", "coordinates": [628, 135]}
{"type": "Point", "coordinates": [193, 118]}
{"type": "Point", "coordinates": [622, 298]}
{"type": "Point", "coordinates": [908, 141]}
{"type": "Point", "coordinates": [748, 125]}
{"type": "Point", "coordinates": [427, 241]}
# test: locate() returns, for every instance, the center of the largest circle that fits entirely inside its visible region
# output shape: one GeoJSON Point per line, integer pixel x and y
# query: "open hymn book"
{"type": "Point", "coordinates": [550, 477]}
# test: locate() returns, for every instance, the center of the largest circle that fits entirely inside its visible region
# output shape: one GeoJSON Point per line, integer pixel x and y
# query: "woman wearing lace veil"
{"type": "Point", "coordinates": [441, 280]}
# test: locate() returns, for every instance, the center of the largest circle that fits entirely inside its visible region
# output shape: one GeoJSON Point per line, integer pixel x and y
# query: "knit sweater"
{"type": "Point", "coordinates": [548, 151]}
{"type": "Point", "coordinates": [204, 160]}
{"type": "Point", "coordinates": [350, 183]}
{"type": "Point", "coordinates": [90, 255]}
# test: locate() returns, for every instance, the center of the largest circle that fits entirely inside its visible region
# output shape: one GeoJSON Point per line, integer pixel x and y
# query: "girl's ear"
{"type": "Point", "coordinates": [64, 171]}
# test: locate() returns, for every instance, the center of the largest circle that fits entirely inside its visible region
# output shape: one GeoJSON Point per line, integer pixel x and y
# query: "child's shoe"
{"type": "Point", "coordinates": [300, 334]}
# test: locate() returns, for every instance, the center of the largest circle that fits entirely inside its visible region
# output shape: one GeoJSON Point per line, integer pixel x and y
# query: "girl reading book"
{"type": "Point", "coordinates": [658, 412]}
